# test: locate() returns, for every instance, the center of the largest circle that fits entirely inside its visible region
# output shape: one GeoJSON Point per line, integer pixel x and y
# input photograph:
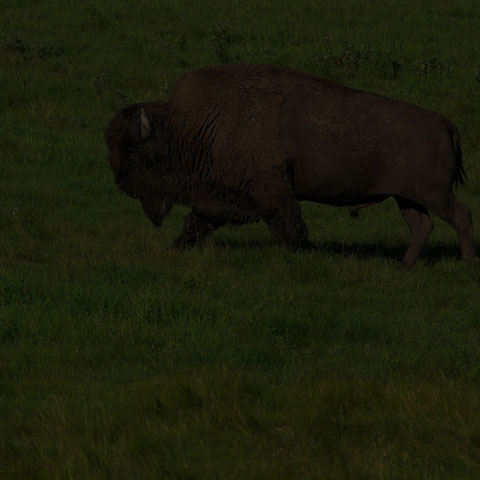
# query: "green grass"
{"type": "Point", "coordinates": [123, 358]}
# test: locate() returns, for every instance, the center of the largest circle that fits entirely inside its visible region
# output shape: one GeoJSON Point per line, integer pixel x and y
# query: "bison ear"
{"type": "Point", "coordinates": [145, 125]}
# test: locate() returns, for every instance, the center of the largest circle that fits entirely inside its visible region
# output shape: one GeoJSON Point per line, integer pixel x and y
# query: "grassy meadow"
{"type": "Point", "coordinates": [123, 358]}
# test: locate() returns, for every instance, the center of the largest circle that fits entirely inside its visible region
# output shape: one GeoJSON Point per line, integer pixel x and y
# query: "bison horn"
{"type": "Point", "coordinates": [146, 126]}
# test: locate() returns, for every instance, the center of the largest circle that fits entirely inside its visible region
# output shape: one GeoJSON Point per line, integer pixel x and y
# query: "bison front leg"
{"type": "Point", "coordinates": [195, 229]}
{"type": "Point", "coordinates": [156, 209]}
{"type": "Point", "coordinates": [287, 225]}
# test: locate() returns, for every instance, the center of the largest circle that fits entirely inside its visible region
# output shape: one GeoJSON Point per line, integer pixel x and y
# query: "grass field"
{"type": "Point", "coordinates": [123, 358]}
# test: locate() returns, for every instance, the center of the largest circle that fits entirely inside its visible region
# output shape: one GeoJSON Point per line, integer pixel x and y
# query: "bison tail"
{"type": "Point", "coordinates": [460, 175]}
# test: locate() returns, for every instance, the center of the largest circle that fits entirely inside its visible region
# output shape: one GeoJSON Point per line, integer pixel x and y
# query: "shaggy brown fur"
{"type": "Point", "coordinates": [239, 143]}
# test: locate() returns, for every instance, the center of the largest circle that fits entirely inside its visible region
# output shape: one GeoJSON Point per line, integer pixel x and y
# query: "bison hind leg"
{"type": "Point", "coordinates": [462, 223]}
{"type": "Point", "coordinates": [459, 216]}
{"type": "Point", "coordinates": [420, 225]}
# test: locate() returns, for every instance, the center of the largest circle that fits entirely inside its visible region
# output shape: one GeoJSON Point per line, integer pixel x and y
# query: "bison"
{"type": "Point", "coordinates": [240, 143]}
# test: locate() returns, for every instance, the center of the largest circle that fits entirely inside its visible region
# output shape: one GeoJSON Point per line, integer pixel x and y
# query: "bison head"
{"type": "Point", "coordinates": [138, 156]}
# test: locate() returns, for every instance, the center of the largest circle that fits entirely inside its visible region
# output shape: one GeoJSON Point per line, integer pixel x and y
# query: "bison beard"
{"type": "Point", "coordinates": [239, 143]}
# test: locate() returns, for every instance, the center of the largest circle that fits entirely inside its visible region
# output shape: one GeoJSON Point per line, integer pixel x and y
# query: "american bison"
{"type": "Point", "coordinates": [240, 143]}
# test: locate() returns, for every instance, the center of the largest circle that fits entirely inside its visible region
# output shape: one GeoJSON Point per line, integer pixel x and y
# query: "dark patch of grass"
{"type": "Point", "coordinates": [221, 38]}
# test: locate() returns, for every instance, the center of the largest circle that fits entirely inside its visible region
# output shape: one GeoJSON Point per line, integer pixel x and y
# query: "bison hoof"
{"type": "Point", "coordinates": [407, 264]}
{"type": "Point", "coordinates": [304, 246]}
{"type": "Point", "coordinates": [181, 243]}
{"type": "Point", "coordinates": [307, 246]}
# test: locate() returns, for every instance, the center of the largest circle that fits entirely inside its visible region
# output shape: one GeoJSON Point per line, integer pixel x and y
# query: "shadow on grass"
{"type": "Point", "coordinates": [430, 253]}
